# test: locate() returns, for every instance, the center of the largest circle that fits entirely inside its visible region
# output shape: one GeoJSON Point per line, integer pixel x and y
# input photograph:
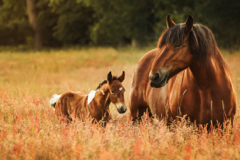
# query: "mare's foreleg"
{"type": "Point", "coordinates": [137, 106]}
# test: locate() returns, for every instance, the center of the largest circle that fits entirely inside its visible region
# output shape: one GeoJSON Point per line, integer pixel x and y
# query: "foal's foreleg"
{"type": "Point", "coordinates": [66, 108]}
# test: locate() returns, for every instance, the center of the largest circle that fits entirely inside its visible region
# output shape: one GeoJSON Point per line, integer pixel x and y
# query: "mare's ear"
{"type": "Point", "coordinates": [122, 77]}
{"type": "Point", "coordinates": [170, 22]}
{"type": "Point", "coordinates": [109, 77]}
{"type": "Point", "coordinates": [189, 23]}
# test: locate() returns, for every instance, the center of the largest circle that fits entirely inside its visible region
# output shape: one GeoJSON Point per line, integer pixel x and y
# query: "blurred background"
{"type": "Point", "coordinates": [115, 23]}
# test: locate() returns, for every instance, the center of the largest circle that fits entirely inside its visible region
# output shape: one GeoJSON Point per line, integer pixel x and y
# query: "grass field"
{"type": "Point", "coordinates": [29, 128]}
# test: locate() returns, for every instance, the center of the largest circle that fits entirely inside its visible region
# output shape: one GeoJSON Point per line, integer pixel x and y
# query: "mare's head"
{"type": "Point", "coordinates": [116, 91]}
{"type": "Point", "coordinates": [179, 45]}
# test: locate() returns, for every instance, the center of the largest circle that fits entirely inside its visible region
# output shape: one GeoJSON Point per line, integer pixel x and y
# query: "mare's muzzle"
{"type": "Point", "coordinates": [158, 80]}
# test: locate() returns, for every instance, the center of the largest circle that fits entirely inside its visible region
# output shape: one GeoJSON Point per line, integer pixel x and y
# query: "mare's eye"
{"type": "Point", "coordinates": [112, 92]}
{"type": "Point", "coordinates": [177, 45]}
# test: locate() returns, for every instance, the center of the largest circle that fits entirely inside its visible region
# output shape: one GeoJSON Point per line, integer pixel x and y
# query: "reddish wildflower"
{"type": "Point", "coordinates": [188, 152]}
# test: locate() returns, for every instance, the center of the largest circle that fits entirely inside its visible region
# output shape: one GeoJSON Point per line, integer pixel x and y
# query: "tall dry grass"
{"type": "Point", "coordinates": [29, 128]}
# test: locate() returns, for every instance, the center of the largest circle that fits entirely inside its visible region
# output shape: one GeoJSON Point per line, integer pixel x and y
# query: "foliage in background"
{"type": "Point", "coordinates": [115, 23]}
{"type": "Point", "coordinates": [14, 27]}
{"type": "Point", "coordinates": [73, 22]}
{"type": "Point", "coordinates": [123, 21]}
{"type": "Point", "coordinates": [223, 18]}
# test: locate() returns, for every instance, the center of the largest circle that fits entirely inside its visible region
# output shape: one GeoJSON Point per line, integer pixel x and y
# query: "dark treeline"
{"type": "Point", "coordinates": [53, 23]}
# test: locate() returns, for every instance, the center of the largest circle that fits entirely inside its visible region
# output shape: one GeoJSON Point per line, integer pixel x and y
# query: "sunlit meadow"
{"type": "Point", "coordinates": [29, 128]}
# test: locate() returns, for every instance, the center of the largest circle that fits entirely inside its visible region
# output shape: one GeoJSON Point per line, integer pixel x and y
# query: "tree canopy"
{"type": "Point", "coordinates": [114, 23]}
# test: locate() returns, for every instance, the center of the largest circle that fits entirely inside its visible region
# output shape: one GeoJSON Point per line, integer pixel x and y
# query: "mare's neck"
{"type": "Point", "coordinates": [205, 74]}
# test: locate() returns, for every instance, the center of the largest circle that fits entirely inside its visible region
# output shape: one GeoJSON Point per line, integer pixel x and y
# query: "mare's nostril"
{"type": "Point", "coordinates": [152, 84]}
{"type": "Point", "coordinates": [156, 76]}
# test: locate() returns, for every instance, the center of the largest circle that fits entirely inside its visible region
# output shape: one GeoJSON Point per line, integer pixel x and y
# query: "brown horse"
{"type": "Point", "coordinates": [76, 104]}
{"type": "Point", "coordinates": [187, 75]}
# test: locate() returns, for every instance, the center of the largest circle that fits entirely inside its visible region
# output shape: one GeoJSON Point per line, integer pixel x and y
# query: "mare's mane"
{"type": "Point", "coordinates": [104, 82]}
{"type": "Point", "coordinates": [201, 40]}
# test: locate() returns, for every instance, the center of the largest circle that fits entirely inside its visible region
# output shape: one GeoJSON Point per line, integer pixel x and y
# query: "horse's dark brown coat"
{"type": "Point", "coordinates": [188, 55]}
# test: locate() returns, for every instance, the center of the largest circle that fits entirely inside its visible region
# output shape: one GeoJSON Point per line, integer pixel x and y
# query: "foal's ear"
{"type": "Point", "coordinates": [170, 22]}
{"type": "Point", "coordinates": [109, 77]}
{"type": "Point", "coordinates": [122, 77]}
{"type": "Point", "coordinates": [189, 23]}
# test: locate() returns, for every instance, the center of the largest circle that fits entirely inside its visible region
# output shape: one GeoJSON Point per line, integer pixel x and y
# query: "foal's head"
{"type": "Point", "coordinates": [116, 91]}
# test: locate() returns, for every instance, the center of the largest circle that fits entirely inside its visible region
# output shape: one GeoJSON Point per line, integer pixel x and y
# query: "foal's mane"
{"type": "Point", "coordinates": [104, 82]}
{"type": "Point", "coordinates": [201, 41]}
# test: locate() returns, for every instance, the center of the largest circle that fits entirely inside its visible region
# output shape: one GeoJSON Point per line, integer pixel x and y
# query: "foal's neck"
{"type": "Point", "coordinates": [102, 97]}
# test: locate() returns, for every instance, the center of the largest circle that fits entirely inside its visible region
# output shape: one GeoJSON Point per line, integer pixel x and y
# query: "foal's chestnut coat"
{"type": "Point", "coordinates": [75, 104]}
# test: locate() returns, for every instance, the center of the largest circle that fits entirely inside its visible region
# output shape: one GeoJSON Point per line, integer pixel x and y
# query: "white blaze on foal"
{"type": "Point", "coordinates": [119, 105]}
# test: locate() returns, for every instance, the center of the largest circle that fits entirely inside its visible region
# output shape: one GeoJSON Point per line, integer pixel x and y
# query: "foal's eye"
{"type": "Point", "coordinates": [112, 92]}
{"type": "Point", "coordinates": [177, 45]}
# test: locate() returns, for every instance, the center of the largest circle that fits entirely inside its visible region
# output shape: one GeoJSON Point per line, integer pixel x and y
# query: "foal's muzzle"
{"type": "Point", "coordinates": [121, 108]}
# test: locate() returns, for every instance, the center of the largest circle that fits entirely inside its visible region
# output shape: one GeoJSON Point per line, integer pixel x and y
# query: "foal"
{"type": "Point", "coordinates": [75, 104]}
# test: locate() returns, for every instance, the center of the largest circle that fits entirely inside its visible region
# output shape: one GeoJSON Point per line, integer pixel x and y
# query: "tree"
{"type": "Point", "coordinates": [222, 17]}
{"type": "Point", "coordinates": [32, 17]}
{"type": "Point", "coordinates": [122, 21]}
{"type": "Point", "coordinates": [73, 22]}
{"type": "Point", "coordinates": [138, 22]}
{"type": "Point", "coordinates": [14, 26]}
{"type": "Point", "coordinates": [114, 23]}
